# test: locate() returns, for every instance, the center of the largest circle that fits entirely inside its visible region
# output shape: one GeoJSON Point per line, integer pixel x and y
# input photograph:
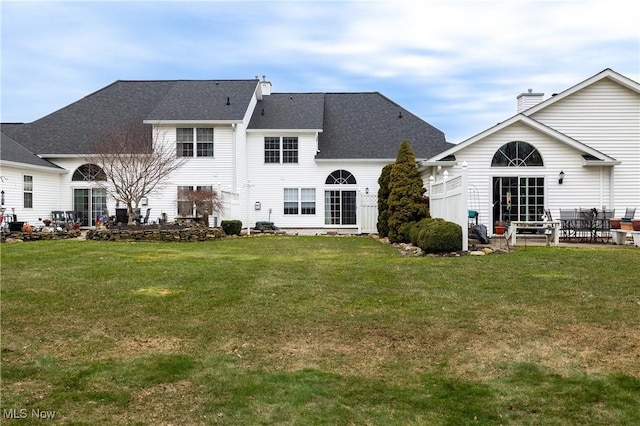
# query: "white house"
{"type": "Point", "coordinates": [576, 149]}
{"type": "Point", "coordinates": [300, 160]}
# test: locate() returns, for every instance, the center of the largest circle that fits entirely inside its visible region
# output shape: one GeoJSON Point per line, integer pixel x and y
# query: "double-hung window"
{"type": "Point", "coordinates": [281, 150]}
{"type": "Point", "coordinates": [28, 191]}
{"type": "Point", "coordinates": [308, 201]}
{"type": "Point", "coordinates": [271, 149]}
{"type": "Point", "coordinates": [299, 201]}
{"type": "Point", "coordinates": [184, 142]}
{"type": "Point", "coordinates": [203, 137]}
{"type": "Point", "coordinates": [290, 150]}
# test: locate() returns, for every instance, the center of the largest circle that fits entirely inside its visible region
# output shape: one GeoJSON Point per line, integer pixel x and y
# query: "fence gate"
{"type": "Point", "coordinates": [368, 223]}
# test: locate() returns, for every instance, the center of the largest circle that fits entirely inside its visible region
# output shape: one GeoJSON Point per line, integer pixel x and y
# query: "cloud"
{"type": "Point", "coordinates": [457, 64]}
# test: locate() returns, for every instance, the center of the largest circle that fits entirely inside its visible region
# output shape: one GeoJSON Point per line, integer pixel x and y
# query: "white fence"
{"type": "Point", "coordinates": [368, 220]}
{"type": "Point", "coordinates": [448, 200]}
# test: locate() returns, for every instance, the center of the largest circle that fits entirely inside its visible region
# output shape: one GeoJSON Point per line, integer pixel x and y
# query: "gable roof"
{"type": "Point", "coordinates": [607, 73]}
{"type": "Point", "coordinates": [530, 122]}
{"type": "Point", "coordinates": [371, 126]}
{"type": "Point", "coordinates": [524, 117]}
{"type": "Point", "coordinates": [12, 152]}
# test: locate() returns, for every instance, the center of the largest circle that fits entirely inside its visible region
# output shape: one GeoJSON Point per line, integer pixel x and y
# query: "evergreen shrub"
{"type": "Point", "coordinates": [231, 227]}
{"type": "Point", "coordinates": [437, 235]}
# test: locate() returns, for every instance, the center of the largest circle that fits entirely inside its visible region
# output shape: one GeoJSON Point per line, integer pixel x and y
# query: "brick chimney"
{"type": "Point", "coordinates": [528, 100]}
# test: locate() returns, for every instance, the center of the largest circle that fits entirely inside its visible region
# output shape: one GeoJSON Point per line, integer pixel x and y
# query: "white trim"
{"type": "Point", "coordinates": [355, 160]}
{"type": "Point", "coordinates": [607, 73]}
{"type": "Point", "coordinates": [536, 125]}
{"type": "Point", "coordinates": [189, 122]}
{"type": "Point", "coordinates": [58, 169]}
{"type": "Point", "coordinates": [268, 131]}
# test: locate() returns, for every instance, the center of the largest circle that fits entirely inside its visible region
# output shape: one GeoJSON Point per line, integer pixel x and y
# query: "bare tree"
{"type": "Point", "coordinates": [135, 163]}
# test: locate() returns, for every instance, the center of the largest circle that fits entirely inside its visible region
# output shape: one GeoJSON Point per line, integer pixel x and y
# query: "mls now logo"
{"type": "Point", "coordinates": [23, 413]}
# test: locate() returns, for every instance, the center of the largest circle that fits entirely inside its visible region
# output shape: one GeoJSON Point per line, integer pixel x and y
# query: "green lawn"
{"type": "Point", "coordinates": [317, 330]}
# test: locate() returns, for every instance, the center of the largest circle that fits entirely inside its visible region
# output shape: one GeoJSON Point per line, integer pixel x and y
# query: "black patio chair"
{"type": "Point", "coordinates": [72, 217]}
{"type": "Point", "coordinates": [585, 228]}
{"type": "Point", "coordinates": [630, 213]}
{"type": "Point", "coordinates": [568, 223]}
{"type": "Point", "coordinates": [603, 223]}
{"type": "Point", "coordinates": [58, 218]}
{"type": "Point", "coordinates": [145, 221]}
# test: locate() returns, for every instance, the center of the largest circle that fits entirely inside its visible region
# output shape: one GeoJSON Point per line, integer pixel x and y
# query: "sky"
{"type": "Point", "coordinates": [458, 65]}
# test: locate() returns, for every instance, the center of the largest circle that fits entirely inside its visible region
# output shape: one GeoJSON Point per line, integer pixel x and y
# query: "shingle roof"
{"type": "Point", "coordinates": [353, 125]}
{"type": "Point", "coordinates": [10, 150]}
{"type": "Point", "coordinates": [289, 111]}
{"type": "Point", "coordinates": [74, 128]}
{"type": "Point", "coordinates": [205, 100]}
{"type": "Point", "coordinates": [369, 125]}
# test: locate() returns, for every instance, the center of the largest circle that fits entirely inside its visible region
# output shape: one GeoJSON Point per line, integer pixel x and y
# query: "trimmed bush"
{"type": "Point", "coordinates": [436, 235]}
{"type": "Point", "coordinates": [231, 227]}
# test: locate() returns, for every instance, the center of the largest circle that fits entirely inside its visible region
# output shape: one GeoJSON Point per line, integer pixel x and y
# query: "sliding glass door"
{"type": "Point", "coordinates": [88, 203]}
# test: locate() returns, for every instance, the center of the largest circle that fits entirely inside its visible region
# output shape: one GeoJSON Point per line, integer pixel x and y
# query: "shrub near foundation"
{"type": "Point", "coordinates": [436, 235]}
{"type": "Point", "coordinates": [231, 227]}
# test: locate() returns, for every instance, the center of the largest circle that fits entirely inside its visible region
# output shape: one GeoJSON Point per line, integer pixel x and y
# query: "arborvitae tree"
{"type": "Point", "coordinates": [406, 201]}
{"type": "Point", "coordinates": [383, 201]}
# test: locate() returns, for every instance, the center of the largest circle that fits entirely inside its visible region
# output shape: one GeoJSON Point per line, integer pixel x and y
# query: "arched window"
{"type": "Point", "coordinates": [340, 177]}
{"type": "Point", "coordinates": [89, 173]}
{"type": "Point", "coordinates": [516, 154]}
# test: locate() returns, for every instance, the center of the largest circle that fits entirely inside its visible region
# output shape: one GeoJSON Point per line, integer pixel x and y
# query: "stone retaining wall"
{"type": "Point", "coordinates": [41, 235]}
{"type": "Point", "coordinates": [155, 234]}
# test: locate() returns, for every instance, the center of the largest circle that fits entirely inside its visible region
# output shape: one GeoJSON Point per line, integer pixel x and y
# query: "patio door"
{"type": "Point", "coordinates": [88, 203]}
{"type": "Point", "coordinates": [340, 207]}
{"type": "Point", "coordinates": [518, 198]}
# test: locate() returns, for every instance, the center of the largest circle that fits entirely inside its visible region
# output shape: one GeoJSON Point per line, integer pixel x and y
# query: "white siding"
{"type": "Point", "coordinates": [269, 180]}
{"type": "Point", "coordinates": [46, 187]}
{"type": "Point", "coordinates": [218, 171]}
{"type": "Point", "coordinates": [605, 116]}
{"type": "Point", "coordinates": [581, 188]}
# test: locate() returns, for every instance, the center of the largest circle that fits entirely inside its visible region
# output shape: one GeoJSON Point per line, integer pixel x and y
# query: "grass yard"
{"type": "Point", "coordinates": [317, 330]}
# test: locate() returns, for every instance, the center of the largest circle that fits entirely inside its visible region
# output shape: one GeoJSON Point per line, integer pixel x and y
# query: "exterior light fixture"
{"type": "Point", "coordinates": [2, 197]}
{"type": "Point", "coordinates": [560, 177]}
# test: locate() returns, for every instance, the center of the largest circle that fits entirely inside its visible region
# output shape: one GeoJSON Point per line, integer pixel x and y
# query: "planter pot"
{"type": "Point", "coordinates": [635, 223]}
{"type": "Point", "coordinates": [500, 230]}
{"type": "Point", "coordinates": [615, 223]}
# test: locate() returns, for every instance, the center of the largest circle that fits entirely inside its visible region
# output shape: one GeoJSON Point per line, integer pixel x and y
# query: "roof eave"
{"type": "Point", "coordinates": [284, 130]}
{"type": "Point", "coordinates": [27, 166]}
{"type": "Point", "coordinates": [190, 122]}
